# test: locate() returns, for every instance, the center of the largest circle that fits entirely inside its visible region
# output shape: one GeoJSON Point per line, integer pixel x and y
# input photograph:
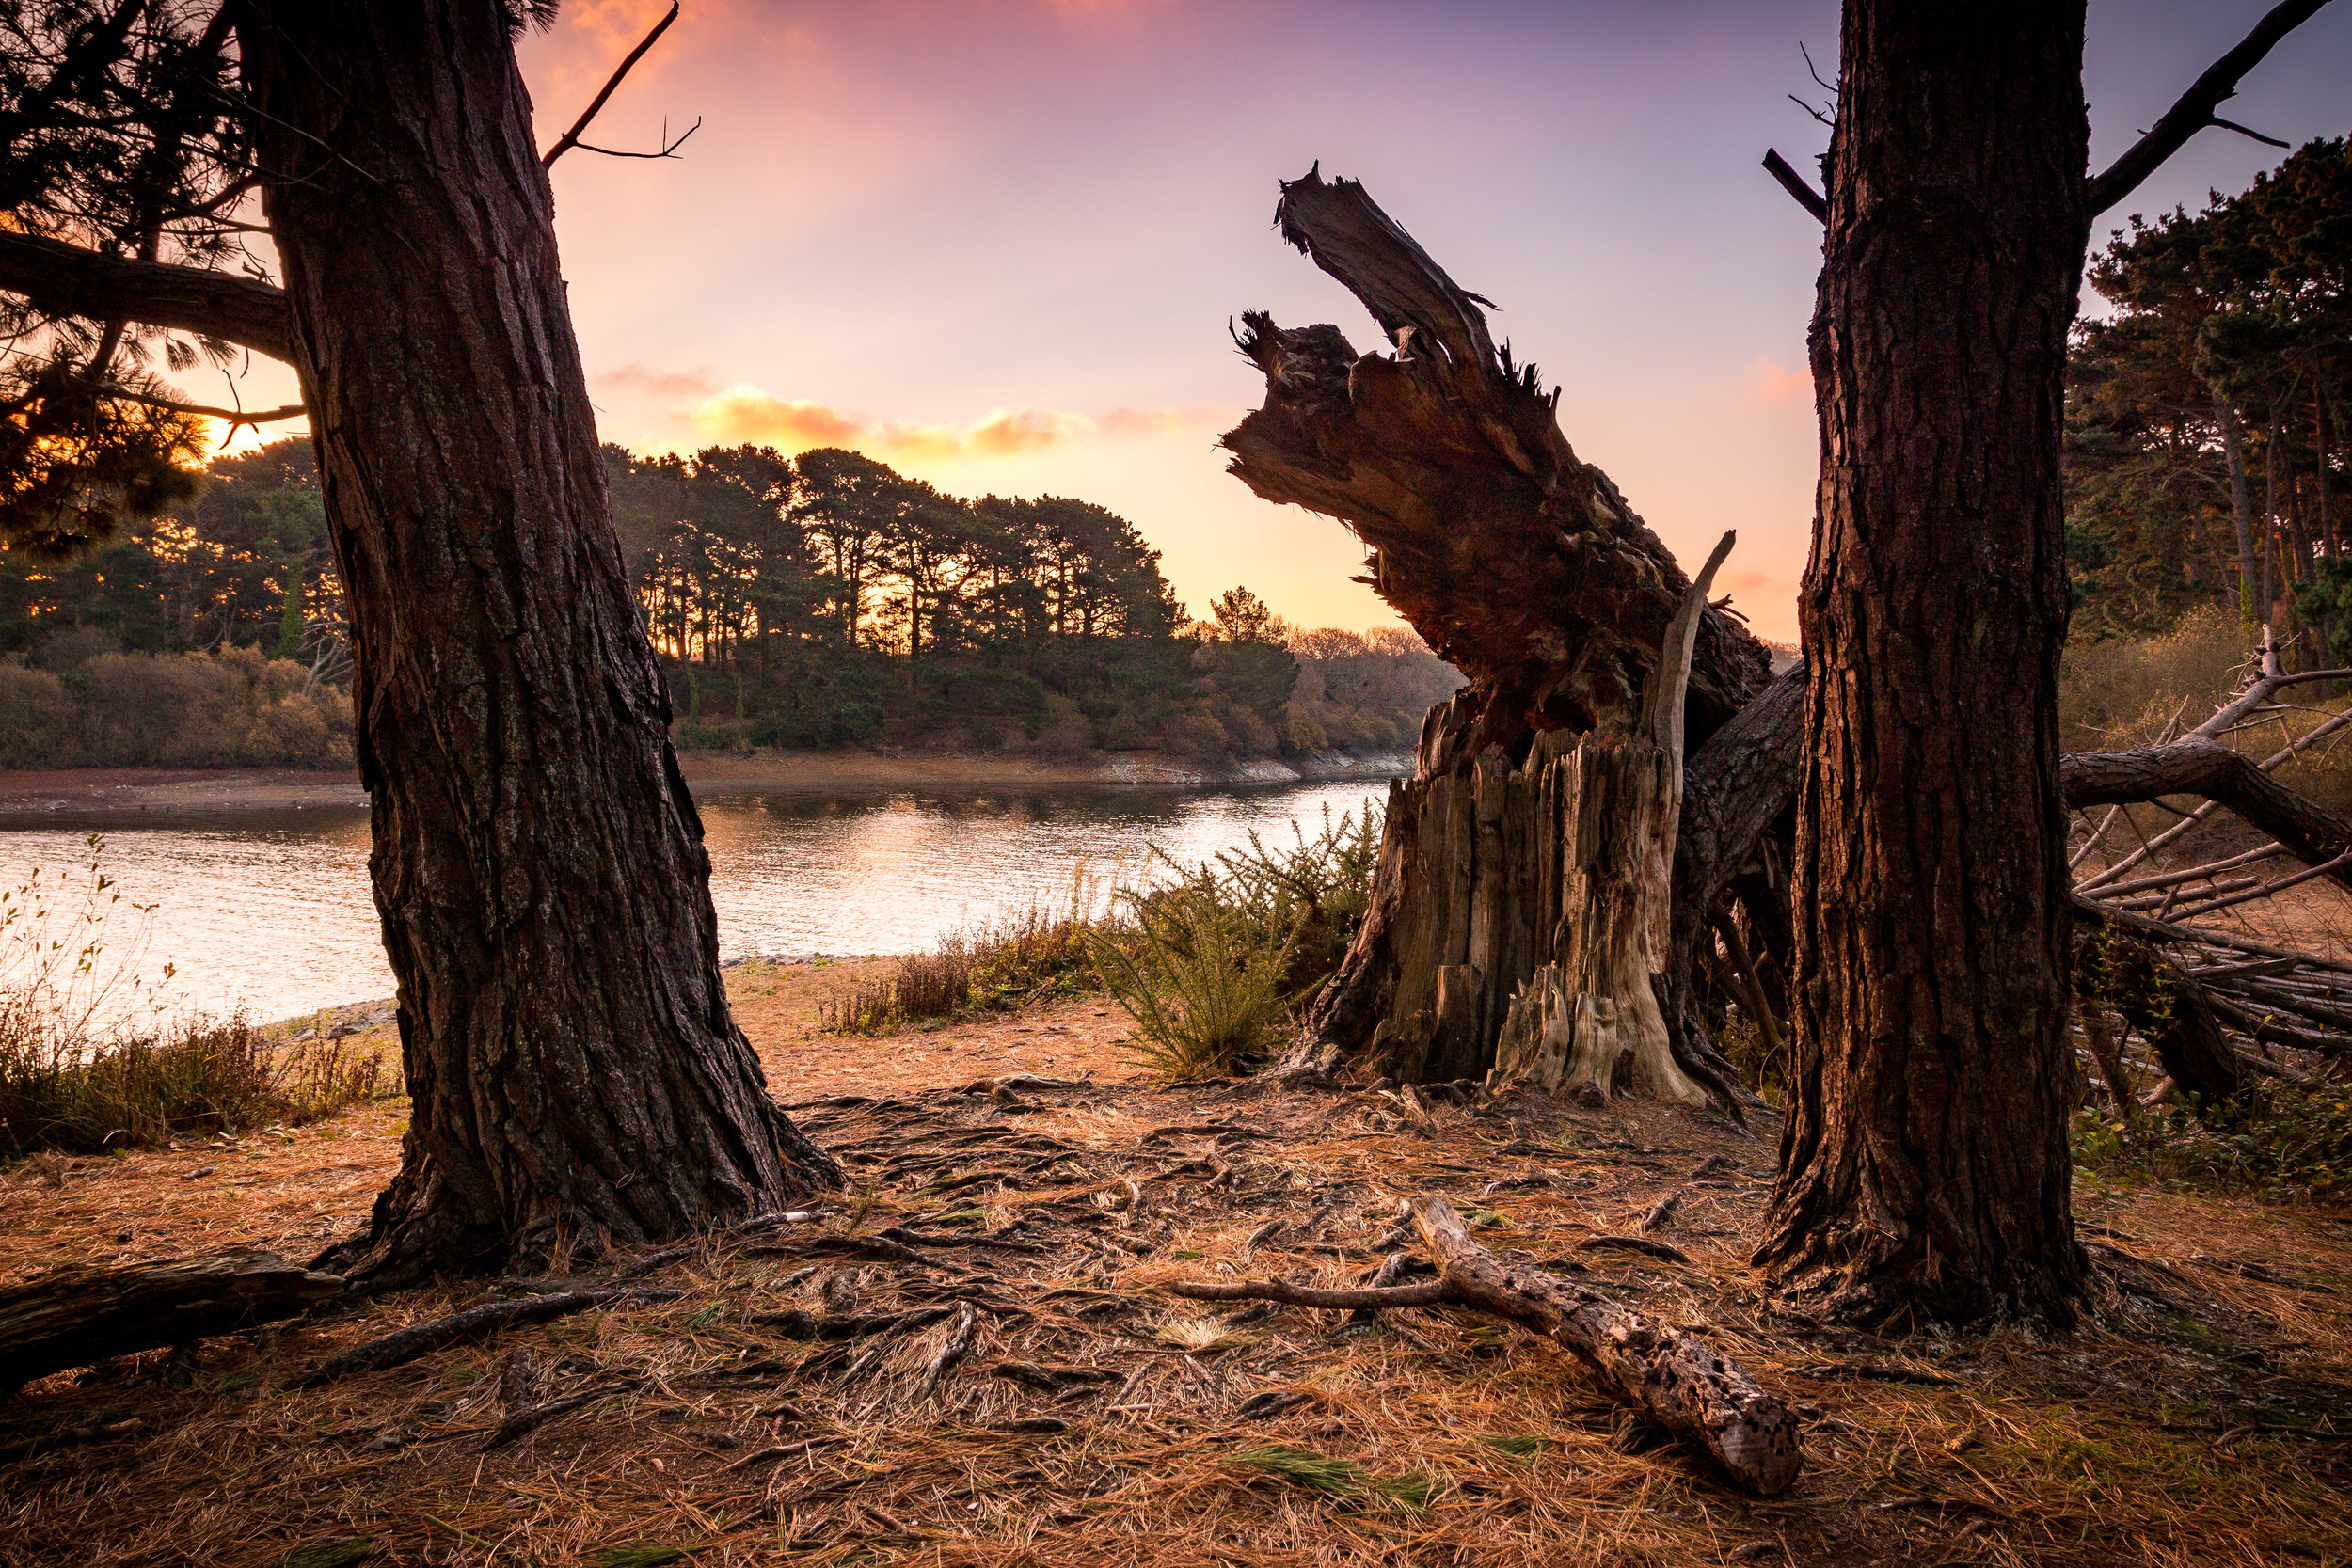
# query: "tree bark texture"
{"type": "Point", "coordinates": [71, 1317]}
{"type": "Point", "coordinates": [538, 863]}
{"type": "Point", "coordinates": [1926, 1172]}
{"type": "Point", "coordinates": [1516, 561]}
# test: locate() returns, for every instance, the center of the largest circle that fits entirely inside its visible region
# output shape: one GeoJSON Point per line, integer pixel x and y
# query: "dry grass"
{"type": "Point", "coordinates": [1098, 1421]}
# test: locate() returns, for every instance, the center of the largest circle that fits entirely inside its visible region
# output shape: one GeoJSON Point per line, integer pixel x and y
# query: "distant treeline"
{"type": "Point", "coordinates": [820, 601]}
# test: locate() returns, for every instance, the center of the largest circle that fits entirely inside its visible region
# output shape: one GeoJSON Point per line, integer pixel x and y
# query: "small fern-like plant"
{"type": "Point", "coordinates": [1201, 984]}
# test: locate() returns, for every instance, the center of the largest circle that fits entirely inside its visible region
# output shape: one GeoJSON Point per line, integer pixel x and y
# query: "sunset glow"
{"type": "Point", "coordinates": [998, 244]}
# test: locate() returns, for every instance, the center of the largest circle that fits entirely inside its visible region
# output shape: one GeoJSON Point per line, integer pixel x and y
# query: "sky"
{"type": "Point", "coordinates": [998, 244]}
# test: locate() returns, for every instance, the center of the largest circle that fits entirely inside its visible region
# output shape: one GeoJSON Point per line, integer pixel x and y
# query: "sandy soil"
{"type": "Point", "coordinates": [134, 790]}
{"type": "Point", "coordinates": [1096, 1420]}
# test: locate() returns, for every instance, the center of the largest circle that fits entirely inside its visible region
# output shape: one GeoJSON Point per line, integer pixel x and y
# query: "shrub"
{"type": "Point", "coordinates": [35, 717]}
{"type": "Point", "coordinates": [230, 708]}
{"type": "Point", "coordinates": [2122, 692]}
{"type": "Point", "coordinates": [1039, 953]}
{"type": "Point", "coordinates": [2282, 1141]}
{"type": "Point", "coordinates": [1201, 983]}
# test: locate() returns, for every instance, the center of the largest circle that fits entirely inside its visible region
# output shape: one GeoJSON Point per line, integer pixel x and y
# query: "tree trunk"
{"type": "Point", "coordinates": [1514, 561]}
{"type": "Point", "coordinates": [2241, 507]}
{"type": "Point", "coordinates": [538, 865]}
{"type": "Point", "coordinates": [1925, 1163]}
{"type": "Point", "coordinates": [1606, 813]}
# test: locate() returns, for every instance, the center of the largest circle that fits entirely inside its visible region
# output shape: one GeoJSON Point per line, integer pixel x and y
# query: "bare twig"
{"type": "Point", "coordinates": [2195, 110]}
{"type": "Point", "coordinates": [571, 137]}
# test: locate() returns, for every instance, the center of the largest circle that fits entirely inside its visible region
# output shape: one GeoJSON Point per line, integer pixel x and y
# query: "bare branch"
{"type": "Point", "coordinates": [67, 281]}
{"type": "Point", "coordinates": [571, 137]}
{"type": "Point", "coordinates": [1794, 183]}
{"type": "Point", "coordinates": [2247, 131]}
{"type": "Point", "coordinates": [667, 147]}
{"type": "Point", "coordinates": [235, 417]}
{"type": "Point", "coordinates": [2195, 110]}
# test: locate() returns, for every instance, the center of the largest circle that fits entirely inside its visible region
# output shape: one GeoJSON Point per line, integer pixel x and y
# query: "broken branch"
{"type": "Point", "coordinates": [1795, 185]}
{"type": "Point", "coordinates": [571, 137]}
{"type": "Point", "coordinates": [2194, 111]}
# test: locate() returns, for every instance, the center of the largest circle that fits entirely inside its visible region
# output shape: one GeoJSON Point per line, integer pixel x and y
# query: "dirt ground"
{"type": "Point", "coordinates": [2201, 1417]}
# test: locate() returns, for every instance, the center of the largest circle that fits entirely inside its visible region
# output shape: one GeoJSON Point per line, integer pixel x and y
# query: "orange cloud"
{"type": "Point", "coordinates": [634, 377]}
{"type": "Point", "coordinates": [745, 414]}
{"type": "Point", "coordinates": [1770, 383]}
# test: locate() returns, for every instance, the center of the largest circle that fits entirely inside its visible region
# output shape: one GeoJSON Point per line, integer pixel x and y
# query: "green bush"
{"type": "Point", "coordinates": [1201, 982]}
{"type": "Point", "coordinates": [2283, 1142]}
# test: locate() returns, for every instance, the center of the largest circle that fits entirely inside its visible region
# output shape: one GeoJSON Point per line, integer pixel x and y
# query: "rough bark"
{"type": "Point", "coordinates": [72, 1317]}
{"type": "Point", "coordinates": [538, 863]}
{"type": "Point", "coordinates": [1514, 559]}
{"type": "Point", "coordinates": [1926, 1171]}
{"type": "Point", "coordinates": [1735, 789]}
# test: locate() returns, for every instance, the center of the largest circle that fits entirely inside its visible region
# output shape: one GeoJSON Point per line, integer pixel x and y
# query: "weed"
{"type": "Point", "coordinates": [1303, 1468]}
{"type": "Point", "coordinates": [1514, 1445]}
{"type": "Point", "coordinates": [88, 1061]}
{"type": "Point", "coordinates": [1340, 1478]}
{"type": "Point", "coordinates": [1040, 954]}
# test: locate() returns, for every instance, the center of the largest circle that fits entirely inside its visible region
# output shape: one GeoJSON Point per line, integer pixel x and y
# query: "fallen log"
{"type": "Point", "coordinates": [1707, 1401]}
{"type": "Point", "coordinates": [74, 1316]}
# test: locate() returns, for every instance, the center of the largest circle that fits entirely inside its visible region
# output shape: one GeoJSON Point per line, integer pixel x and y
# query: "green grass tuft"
{"type": "Point", "coordinates": [1302, 1467]}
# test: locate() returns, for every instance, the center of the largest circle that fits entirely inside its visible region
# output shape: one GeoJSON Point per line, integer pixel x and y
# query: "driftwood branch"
{"type": "Point", "coordinates": [571, 137]}
{"type": "Point", "coordinates": [72, 1317]}
{"type": "Point", "coordinates": [2194, 111]}
{"type": "Point", "coordinates": [1709, 1403]}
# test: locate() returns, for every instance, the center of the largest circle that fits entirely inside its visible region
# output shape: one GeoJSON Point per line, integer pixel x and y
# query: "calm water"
{"type": "Point", "coordinates": [271, 910]}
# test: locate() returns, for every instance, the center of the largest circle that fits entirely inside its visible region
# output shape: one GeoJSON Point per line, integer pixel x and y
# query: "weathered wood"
{"type": "Point", "coordinates": [1679, 1380]}
{"type": "Point", "coordinates": [74, 1316]}
{"type": "Point", "coordinates": [1516, 561]}
{"type": "Point", "coordinates": [1617, 799]}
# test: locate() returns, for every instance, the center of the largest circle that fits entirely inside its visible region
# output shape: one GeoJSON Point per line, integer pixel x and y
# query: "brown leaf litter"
{"type": "Point", "coordinates": [968, 1359]}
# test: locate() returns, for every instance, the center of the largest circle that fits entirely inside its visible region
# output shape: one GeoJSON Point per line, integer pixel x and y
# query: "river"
{"type": "Point", "coordinates": [269, 910]}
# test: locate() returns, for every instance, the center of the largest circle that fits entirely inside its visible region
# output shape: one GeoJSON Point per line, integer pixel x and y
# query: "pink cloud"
{"type": "Point", "coordinates": [1770, 383]}
{"type": "Point", "coordinates": [696, 383]}
{"type": "Point", "coordinates": [745, 414]}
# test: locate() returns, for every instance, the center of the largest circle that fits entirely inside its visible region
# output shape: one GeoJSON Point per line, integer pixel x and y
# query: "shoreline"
{"type": "Point", "coordinates": [31, 796]}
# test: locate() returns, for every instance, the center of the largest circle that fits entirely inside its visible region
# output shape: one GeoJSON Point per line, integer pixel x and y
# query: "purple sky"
{"type": "Point", "coordinates": [996, 243]}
